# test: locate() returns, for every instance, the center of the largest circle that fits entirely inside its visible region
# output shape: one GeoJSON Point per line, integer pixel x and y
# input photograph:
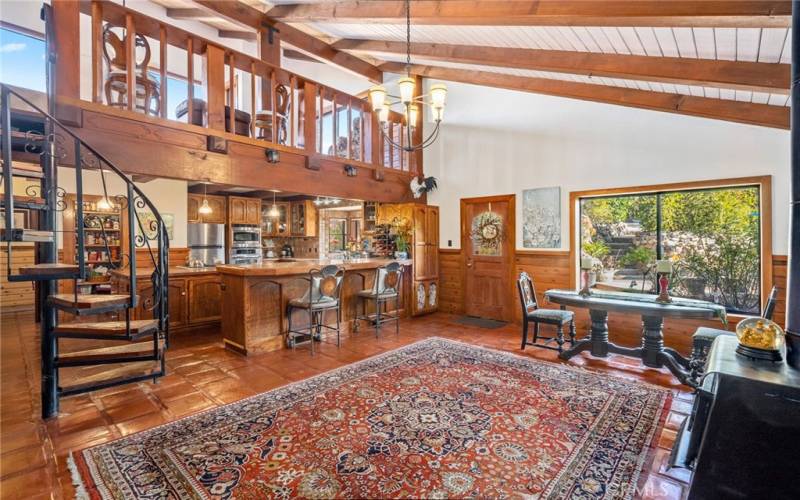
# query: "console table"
{"type": "Point", "coordinates": [653, 353]}
{"type": "Point", "coordinates": [741, 439]}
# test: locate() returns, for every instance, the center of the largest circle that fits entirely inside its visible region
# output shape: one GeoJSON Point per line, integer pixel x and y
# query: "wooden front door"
{"type": "Point", "coordinates": [488, 242]}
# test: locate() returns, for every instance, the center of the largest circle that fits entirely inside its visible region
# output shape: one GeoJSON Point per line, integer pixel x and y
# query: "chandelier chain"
{"type": "Point", "coordinates": [408, 37]}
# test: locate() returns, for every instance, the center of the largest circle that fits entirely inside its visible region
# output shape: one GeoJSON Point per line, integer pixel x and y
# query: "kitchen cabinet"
{"type": "Point", "coordinates": [193, 300]}
{"type": "Point", "coordinates": [218, 209]}
{"type": "Point", "coordinates": [244, 210]}
{"type": "Point", "coordinates": [275, 226]}
{"type": "Point", "coordinates": [303, 219]}
{"type": "Point", "coordinates": [204, 299]}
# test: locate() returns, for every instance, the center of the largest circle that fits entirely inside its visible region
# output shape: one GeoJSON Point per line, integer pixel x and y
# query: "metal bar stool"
{"type": "Point", "coordinates": [324, 288]}
{"type": "Point", "coordinates": [388, 280]}
{"type": "Point", "coordinates": [532, 313]}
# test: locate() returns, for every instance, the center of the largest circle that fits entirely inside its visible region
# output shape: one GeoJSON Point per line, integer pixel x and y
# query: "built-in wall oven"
{"type": "Point", "coordinates": [245, 244]}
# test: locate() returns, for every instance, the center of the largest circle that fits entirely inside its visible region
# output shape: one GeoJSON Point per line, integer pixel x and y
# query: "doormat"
{"type": "Point", "coordinates": [489, 324]}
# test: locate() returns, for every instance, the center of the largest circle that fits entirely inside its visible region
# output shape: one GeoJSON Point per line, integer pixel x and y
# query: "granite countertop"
{"type": "Point", "coordinates": [302, 266]}
{"type": "Point", "coordinates": [174, 272]}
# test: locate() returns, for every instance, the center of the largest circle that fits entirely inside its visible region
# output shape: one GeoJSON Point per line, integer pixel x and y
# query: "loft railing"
{"type": "Point", "coordinates": [180, 76]}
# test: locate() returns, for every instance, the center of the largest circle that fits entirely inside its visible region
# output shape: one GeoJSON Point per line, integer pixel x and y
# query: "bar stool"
{"type": "Point", "coordinates": [532, 313]}
{"type": "Point", "coordinates": [324, 287]}
{"type": "Point", "coordinates": [388, 280]}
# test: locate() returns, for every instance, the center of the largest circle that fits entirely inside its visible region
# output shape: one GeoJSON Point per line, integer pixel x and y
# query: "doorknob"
{"type": "Point", "coordinates": [469, 263]}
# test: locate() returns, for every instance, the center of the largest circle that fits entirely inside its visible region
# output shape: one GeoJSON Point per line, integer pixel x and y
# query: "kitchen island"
{"type": "Point", "coordinates": [255, 298]}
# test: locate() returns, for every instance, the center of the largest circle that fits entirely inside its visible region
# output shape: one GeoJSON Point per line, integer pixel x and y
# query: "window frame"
{"type": "Point", "coordinates": [764, 184]}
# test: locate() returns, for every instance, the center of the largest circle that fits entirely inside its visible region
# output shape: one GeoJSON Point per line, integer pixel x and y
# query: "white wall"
{"type": "Point", "coordinates": [496, 141]}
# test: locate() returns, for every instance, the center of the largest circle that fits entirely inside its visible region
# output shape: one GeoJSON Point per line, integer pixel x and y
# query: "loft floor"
{"type": "Point", "coordinates": [203, 375]}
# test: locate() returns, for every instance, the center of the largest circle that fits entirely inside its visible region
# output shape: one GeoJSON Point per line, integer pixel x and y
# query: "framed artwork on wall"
{"type": "Point", "coordinates": [541, 217]}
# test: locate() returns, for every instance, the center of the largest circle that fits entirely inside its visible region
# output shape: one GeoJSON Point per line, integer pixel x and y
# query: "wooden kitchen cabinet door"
{"type": "Point", "coordinates": [218, 210]}
{"type": "Point", "coordinates": [252, 211]}
{"type": "Point", "coordinates": [237, 210]}
{"type": "Point", "coordinates": [192, 214]}
{"type": "Point", "coordinates": [204, 299]}
{"type": "Point", "coordinates": [177, 303]}
{"type": "Point", "coordinates": [432, 226]}
{"type": "Point", "coordinates": [420, 219]}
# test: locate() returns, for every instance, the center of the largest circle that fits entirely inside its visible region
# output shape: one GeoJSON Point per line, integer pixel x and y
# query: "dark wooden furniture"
{"type": "Point", "coordinates": [531, 313]}
{"type": "Point", "coordinates": [741, 439]}
{"type": "Point", "coordinates": [703, 337]}
{"type": "Point", "coordinates": [194, 296]}
{"type": "Point", "coordinates": [116, 85]}
{"type": "Point", "coordinates": [323, 294]}
{"type": "Point", "coordinates": [387, 288]}
{"type": "Point", "coordinates": [653, 353]}
{"type": "Point", "coordinates": [218, 206]}
{"type": "Point", "coordinates": [200, 112]}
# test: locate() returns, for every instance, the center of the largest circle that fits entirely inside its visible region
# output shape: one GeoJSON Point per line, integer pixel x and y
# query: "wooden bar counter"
{"type": "Point", "coordinates": [255, 298]}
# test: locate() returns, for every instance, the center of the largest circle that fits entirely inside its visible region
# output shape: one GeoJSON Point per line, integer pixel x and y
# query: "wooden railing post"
{"type": "Point", "coordinates": [66, 14]}
{"type": "Point", "coordinates": [215, 79]}
{"type": "Point", "coordinates": [97, 51]}
{"type": "Point", "coordinates": [130, 61]}
{"type": "Point", "coordinates": [232, 94]}
{"type": "Point", "coordinates": [310, 117]}
{"type": "Point", "coordinates": [163, 45]}
{"type": "Point", "coordinates": [253, 99]}
{"type": "Point", "coordinates": [190, 78]}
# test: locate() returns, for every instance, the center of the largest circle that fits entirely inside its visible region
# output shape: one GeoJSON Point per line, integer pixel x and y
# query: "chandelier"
{"type": "Point", "coordinates": [381, 104]}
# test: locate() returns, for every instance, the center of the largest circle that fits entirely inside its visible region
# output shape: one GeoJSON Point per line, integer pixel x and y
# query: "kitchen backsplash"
{"type": "Point", "coordinates": [303, 247]}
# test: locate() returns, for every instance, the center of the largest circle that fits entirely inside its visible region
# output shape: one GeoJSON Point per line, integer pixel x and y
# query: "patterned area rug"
{"type": "Point", "coordinates": [434, 419]}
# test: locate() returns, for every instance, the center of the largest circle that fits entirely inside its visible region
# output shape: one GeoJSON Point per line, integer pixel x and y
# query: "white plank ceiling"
{"type": "Point", "coordinates": [768, 45]}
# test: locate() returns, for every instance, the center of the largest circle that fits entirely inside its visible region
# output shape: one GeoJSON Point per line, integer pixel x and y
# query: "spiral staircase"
{"type": "Point", "coordinates": [118, 327]}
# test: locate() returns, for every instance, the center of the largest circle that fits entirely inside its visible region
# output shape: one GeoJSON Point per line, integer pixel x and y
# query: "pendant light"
{"type": "Point", "coordinates": [412, 106]}
{"type": "Point", "coordinates": [273, 211]}
{"type": "Point", "coordinates": [205, 208]}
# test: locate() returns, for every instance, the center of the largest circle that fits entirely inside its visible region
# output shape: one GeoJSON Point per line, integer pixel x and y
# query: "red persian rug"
{"type": "Point", "coordinates": [434, 419]}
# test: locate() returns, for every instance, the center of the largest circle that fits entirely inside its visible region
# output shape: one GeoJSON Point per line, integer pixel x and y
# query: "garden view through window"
{"type": "Point", "coordinates": [712, 236]}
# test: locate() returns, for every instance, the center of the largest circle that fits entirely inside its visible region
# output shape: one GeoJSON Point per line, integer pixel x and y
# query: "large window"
{"type": "Point", "coordinates": [22, 60]}
{"type": "Point", "coordinates": [712, 236]}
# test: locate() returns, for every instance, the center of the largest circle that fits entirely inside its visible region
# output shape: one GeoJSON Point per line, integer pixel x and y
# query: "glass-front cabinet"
{"type": "Point", "coordinates": [303, 219]}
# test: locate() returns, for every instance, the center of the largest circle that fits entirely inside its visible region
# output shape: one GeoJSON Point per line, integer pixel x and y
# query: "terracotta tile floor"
{"type": "Point", "coordinates": [202, 375]}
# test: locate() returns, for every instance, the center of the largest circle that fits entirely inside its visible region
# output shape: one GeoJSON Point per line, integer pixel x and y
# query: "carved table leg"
{"type": "Point", "coordinates": [652, 340]}
{"type": "Point", "coordinates": [598, 338]}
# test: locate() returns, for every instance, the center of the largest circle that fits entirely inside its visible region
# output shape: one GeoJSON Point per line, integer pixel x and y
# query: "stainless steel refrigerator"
{"type": "Point", "coordinates": [207, 243]}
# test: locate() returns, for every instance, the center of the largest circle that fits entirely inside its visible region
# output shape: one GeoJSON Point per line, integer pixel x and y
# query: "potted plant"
{"type": "Point", "coordinates": [597, 250]}
{"type": "Point", "coordinates": [401, 246]}
{"type": "Point", "coordinates": [642, 259]}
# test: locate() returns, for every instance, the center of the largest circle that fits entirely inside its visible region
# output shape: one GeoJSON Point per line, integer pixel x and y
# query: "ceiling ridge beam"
{"type": "Point", "coordinates": [670, 13]}
{"type": "Point", "coordinates": [739, 75]}
{"type": "Point", "coordinates": [718, 109]}
{"type": "Point", "coordinates": [249, 16]}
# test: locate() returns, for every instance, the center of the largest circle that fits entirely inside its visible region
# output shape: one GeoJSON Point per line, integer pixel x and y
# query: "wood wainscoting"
{"type": "Point", "coordinates": [550, 269]}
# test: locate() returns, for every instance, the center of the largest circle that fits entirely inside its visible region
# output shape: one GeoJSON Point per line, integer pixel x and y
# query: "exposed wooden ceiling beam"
{"type": "Point", "coordinates": [719, 109]}
{"type": "Point", "coordinates": [192, 14]}
{"type": "Point", "coordinates": [253, 18]}
{"type": "Point", "coordinates": [238, 35]}
{"type": "Point", "coordinates": [297, 55]}
{"type": "Point", "coordinates": [707, 13]}
{"type": "Point", "coordinates": [741, 75]}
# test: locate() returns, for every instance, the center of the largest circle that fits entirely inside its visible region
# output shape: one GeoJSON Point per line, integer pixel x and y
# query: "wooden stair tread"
{"type": "Point", "coordinates": [96, 381]}
{"type": "Point", "coordinates": [26, 200]}
{"type": "Point", "coordinates": [128, 347]}
{"type": "Point", "coordinates": [111, 355]}
{"type": "Point", "coordinates": [43, 269]}
{"type": "Point", "coordinates": [32, 235]}
{"type": "Point", "coordinates": [110, 327]}
{"type": "Point", "coordinates": [87, 301]}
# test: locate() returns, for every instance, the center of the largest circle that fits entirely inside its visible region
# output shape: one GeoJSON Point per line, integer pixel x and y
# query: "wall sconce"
{"type": "Point", "coordinates": [273, 156]}
{"type": "Point", "coordinates": [350, 170]}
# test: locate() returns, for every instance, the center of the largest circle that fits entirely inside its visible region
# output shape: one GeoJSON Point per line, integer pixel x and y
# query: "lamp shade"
{"type": "Point", "coordinates": [377, 96]}
{"type": "Point", "coordinates": [438, 93]}
{"type": "Point", "coordinates": [406, 85]}
{"type": "Point", "coordinates": [205, 208]}
{"type": "Point", "coordinates": [383, 114]}
{"type": "Point", "coordinates": [273, 211]}
{"type": "Point", "coordinates": [413, 115]}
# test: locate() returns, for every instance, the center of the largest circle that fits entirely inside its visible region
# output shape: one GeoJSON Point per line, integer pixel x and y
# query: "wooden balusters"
{"type": "Point", "coordinates": [215, 79]}
{"type": "Point", "coordinates": [130, 57]}
{"type": "Point", "coordinates": [273, 99]}
{"type": "Point", "coordinates": [232, 93]}
{"type": "Point", "coordinates": [310, 117]}
{"type": "Point", "coordinates": [253, 99]}
{"type": "Point", "coordinates": [293, 111]}
{"type": "Point", "coordinates": [190, 79]}
{"type": "Point", "coordinates": [97, 51]}
{"type": "Point", "coordinates": [163, 45]}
